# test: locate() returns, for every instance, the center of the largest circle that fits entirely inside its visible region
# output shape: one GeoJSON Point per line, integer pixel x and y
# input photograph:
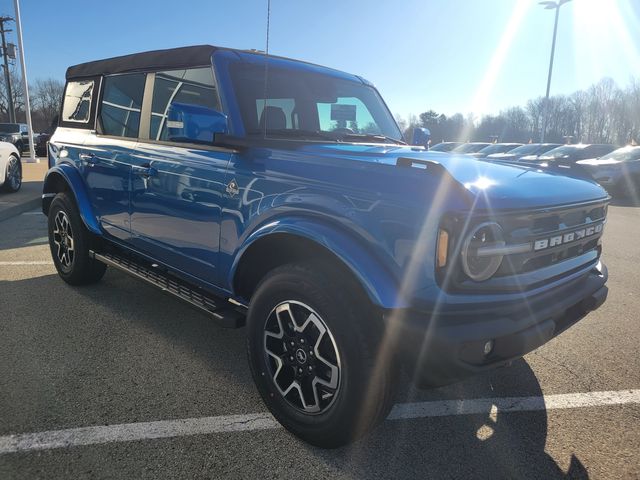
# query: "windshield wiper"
{"type": "Point", "coordinates": [295, 133]}
{"type": "Point", "coordinates": [372, 137]}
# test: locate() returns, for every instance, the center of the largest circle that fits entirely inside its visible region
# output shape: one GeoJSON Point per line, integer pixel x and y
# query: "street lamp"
{"type": "Point", "coordinates": [550, 6]}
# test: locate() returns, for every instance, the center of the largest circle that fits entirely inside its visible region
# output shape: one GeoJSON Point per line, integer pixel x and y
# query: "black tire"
{"type": "Point", "coordinates": [362, 398]}
{"type": "Point", "coordinates": [70, 242]}
{"type": "Point", "coordinates": [12, 183]}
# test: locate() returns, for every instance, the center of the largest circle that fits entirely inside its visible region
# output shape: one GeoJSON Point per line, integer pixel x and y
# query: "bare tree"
{"type": "Point", "coordinates": [17, 94]}
{"type": "Point", "coordinates": [47, 98]}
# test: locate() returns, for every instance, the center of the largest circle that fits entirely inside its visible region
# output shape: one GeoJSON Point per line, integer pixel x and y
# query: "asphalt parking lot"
{"type": "Point", "coordinates": [119, 354]}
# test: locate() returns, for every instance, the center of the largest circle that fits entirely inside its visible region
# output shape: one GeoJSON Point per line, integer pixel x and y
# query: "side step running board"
{"type": "Point", "coordinates": [217, 308]}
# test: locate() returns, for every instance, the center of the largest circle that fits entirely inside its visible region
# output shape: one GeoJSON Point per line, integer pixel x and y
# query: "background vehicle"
{"type": "Point", "coordinates": [16, 134]}
{"type": "Point", "coordinates": [445, 146]}
{"type": "Point", "coordinates": [10, 168]}
{"type": "Point", "coordinates": [41, 144]}
{"type": "Point", "coordinates": [572, 153]}
{"type": "Point", "coordinates": [473, 147]}
{"type": "Point", "coordinates": [527, 152]}
{"type": "Point", "coordinates": [618, 171]}
{"type": "Point", "coordinates": [495, 148]}
{"type": "Point", "coordinates": [299, 210]}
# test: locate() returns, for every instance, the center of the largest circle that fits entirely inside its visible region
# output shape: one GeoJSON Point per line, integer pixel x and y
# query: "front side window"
{"type": "Point", "coordinates": [193, 86]}
{"type": "Point", "coordinates": [9, 128]}
{"type": "Point", "coordinates": [600, 150]}
{"type": "Point", "coordinates": [77, 101]}
{"type": "Point", "coordinates": [121, 105]}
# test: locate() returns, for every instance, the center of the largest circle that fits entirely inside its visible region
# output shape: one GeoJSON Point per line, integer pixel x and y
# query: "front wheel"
{"type": "Point", "coordinates": [69, 241]}
{"type": "Point", "coordinates": [312, 349]}
{"type": "Point", "coordinates": [13, 176]}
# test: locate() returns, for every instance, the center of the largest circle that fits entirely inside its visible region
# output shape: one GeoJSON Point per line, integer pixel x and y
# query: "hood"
{"type": "Point", "coordinates": [493, 184]}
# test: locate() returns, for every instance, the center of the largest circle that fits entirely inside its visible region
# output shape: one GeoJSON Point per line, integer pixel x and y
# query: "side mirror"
{"type": "Point", "coordinates": [421, 137]}
{"type": "Point", "coordinates": [194, 124]}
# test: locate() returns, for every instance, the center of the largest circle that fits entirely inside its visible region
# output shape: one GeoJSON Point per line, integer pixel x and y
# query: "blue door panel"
{"type": "Point", "coordinates": [106, 169]}
{"type": "Point", "coordinates": [176, 201]}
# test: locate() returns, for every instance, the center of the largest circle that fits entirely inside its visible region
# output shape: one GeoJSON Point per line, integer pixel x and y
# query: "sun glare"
{"type": "Point", "coordinates": [496, 64]}
{"type": "Point", "coordinates": [603, 34]}
{"type": "Point", "coordinates": [494, 68]}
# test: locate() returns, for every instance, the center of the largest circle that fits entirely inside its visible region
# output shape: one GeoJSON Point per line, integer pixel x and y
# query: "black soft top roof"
{"type": "Point", "coordinates": [172, 58]}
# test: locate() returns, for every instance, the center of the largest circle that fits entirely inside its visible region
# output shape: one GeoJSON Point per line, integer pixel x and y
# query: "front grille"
{"type": "Point", "coordinates": [564, 229]}
{"type": "Point", "coordinates": [547, 226]}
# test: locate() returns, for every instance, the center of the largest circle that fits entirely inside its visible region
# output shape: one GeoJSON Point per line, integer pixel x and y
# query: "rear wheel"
{"type": "Point", "coordinates": [13, 176]}
{"type": "Point", "coordinates": [70, 242]}
{"type": "Point", "coordinates": [312, 350]}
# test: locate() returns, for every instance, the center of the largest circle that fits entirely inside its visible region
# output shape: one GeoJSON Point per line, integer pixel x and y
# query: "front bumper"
{"type": "Point", "coordinates": [439, 349]}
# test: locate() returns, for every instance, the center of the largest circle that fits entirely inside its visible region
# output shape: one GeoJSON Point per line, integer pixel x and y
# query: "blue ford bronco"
{"type": "Point", "coordinates": [281, 195]}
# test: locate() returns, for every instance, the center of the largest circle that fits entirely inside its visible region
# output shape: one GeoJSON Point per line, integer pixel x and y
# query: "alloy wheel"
{"type": "Point", "coordinates": [302, 357]}
{"type": "Point", "coordinates": [14, 174]}
{"type": "Point", "coordinates": [63, 240]}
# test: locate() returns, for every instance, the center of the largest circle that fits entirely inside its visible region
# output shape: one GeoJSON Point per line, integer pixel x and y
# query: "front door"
{"type": "Point", "coordinates": [176, 205]}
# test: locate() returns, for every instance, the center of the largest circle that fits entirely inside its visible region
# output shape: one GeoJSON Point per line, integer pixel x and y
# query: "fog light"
{"type": "Point", "coordinates": [488, 347]}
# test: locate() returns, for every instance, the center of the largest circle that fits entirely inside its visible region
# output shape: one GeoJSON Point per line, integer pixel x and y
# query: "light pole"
{"type": "Point", "coordinates": [550, 6]}
{"type": "Point", "coordinates": [25, 83]}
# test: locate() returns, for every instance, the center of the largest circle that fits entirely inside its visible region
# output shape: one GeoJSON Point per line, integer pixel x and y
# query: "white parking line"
{"type": "Point", "coordinates": [127, 432]}
{"type": "Point", "coordinates": [27, 262]}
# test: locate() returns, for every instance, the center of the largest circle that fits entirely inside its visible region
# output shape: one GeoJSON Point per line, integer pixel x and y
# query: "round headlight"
{"type": "Point", "coordinates": [479, 261]}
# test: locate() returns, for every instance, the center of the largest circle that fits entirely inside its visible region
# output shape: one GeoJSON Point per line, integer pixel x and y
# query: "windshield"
{"type": "Point", "coordinates": [530, 149]}
{"type": "Point", "coordinates": [444, 147]}
{"type": "Point", "coordinates": [623, 154]}
{"type": "Point", "coordinates": [9, 128]}
{"type": "Point", "coordinates": [470, 147]}
{"type": "Point", "coordinates": [497, 148]}
{"type": "Point", "coordinates": [566, 151]}
{"type": "Point", "coordinates": [303, 104]}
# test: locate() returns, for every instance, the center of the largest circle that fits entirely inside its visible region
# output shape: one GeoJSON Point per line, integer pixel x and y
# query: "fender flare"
{"type": "Point", "coordinates": [70, 175]}
{"type": "Point", "coordinates": [377, 280]}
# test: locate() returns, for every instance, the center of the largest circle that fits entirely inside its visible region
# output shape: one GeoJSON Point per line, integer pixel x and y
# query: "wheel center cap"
{"type": "Point", "coordinates": [301, 356]}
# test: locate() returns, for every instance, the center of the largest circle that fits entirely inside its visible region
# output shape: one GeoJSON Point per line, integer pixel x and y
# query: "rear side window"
{"type": "Point", "coordinates": [600, 150]}
{"type": "Point", "coordinates": [193, 86]}
{"type": "Point", "coordinates": [77, 101]}
{"type": "Point", "coordinates": [121, 105]}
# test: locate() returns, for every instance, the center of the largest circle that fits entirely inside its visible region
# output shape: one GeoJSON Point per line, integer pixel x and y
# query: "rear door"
{"type": "Point", "coordinates": [178, 186]}
{"type": "Point", "coordinates": [107, 156]}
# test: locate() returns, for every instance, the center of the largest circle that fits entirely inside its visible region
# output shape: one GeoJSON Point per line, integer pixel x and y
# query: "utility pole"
{"type": "Point", "coordinates": [7, 77]}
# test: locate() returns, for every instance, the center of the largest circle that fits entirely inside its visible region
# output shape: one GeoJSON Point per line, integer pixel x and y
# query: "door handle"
{"type": "Point", "coordinates": [88, 158]}
{"type": "Point", "coordinates": [146, 171]}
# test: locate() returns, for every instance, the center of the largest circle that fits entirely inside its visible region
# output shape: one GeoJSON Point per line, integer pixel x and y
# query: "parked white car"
{"type": "Point", "coordinates": [10, 168]}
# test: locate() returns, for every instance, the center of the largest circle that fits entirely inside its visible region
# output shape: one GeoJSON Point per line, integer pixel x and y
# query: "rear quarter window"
{"type": "Point", "coordinates": [77, 101]}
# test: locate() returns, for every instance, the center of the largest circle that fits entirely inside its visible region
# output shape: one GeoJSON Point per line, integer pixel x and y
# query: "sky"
{"type": "Point", "coordinates": [468, 56]}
